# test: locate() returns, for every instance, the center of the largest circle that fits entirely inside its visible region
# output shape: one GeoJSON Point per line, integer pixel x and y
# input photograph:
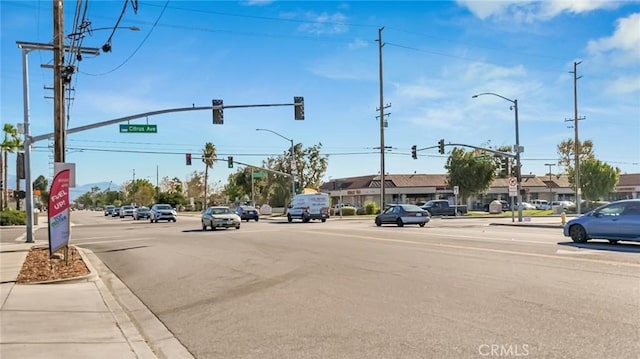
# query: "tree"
{"type": "Point", "coordinates": [566, 151]}
{"type": "Point", "coordinates": [195, 188]}
{"type": "Point", "coordinates": [42, 184]}
{"type": "Point", "coordinates": [209, 156]}
{"type": "Point", "coordinates": [140, 192]}
{"type": "Point", "coordinates": [10, 143]}
{"type": "Point", "coordinates": [471, 171]}
{"type": "Point", "coordinates": [598, 179]}
{"type": "Point", "coordinates": [310, 167]}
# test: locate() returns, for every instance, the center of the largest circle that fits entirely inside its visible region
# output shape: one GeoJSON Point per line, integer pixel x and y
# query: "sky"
{"type": "Point", "coordinates": [435, 56]}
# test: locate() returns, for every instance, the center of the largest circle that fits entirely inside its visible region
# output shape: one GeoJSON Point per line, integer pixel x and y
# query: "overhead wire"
{"type": "Point", "coordinates": [137, 48]}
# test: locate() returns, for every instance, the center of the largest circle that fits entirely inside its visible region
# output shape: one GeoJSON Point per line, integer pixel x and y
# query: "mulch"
{"type": "Point", "coordinates": [40, 267]}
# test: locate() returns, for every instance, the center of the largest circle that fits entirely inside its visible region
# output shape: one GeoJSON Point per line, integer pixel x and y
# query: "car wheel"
{"type": "Point", "coordinates": [174, 221]}
{"type": "Point", "coordinates": [613, 241]}
{"type": "Point", "coordinates": [204, 226]}
{"type": "Point", "coordinates": [238, 226]}
{"type": "Point", "coordinates": [289, 219]}
{"type": "Point", "coordinates": [378, 222]}
{"type": "Point", "coordinates": [323, 220]}
{"type": "Point", "coordinates": [578, 234]}
{"type": "Point", "coordinates": [256, 219]}
{"type": "Point", "coordinates": [421, 224]}
{"type": "Point", "coordinates": [150, 220]}
{"type": "Point", "coordinates": [399, 222]}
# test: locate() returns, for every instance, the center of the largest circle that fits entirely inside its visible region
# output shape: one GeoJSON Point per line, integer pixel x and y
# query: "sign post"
{"type": "Point", "coordinates": [513, 191]}
{"type": "Point", "coordinates": [456, 190]}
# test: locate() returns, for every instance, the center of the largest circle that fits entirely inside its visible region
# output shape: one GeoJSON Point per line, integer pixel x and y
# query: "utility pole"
{"type": "Point", "coordinates": [550, 193]}
{"type": "Point", "coordinates": [576, 140]}
{"type": "Point", "coordinates": [58, 83]}
{"type": "Point", "coordinates": [381, 109]}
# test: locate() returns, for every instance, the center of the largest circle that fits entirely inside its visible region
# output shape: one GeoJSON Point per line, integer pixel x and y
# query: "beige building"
{"type": "Point", "coordinates": [411, 188]}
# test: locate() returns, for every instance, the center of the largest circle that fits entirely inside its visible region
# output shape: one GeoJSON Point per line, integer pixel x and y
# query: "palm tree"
{"type": "Point", "coordinates": [10, 143]}
{"type": "Point", "coordinates": [209, 156]}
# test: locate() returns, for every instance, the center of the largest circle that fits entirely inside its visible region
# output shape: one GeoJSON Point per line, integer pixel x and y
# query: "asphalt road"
{"type": "Point", "coordinates": [348, 289]}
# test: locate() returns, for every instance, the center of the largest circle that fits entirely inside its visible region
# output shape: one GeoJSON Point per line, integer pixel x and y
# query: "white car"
{"type": "Point", "coordinates": [526, 206]}
{"type": "Point", "coordinates": [162, 212]}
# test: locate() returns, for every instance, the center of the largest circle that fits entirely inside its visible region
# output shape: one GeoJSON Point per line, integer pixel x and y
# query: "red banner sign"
{"type": "Point", "coordinates": [59, 211]}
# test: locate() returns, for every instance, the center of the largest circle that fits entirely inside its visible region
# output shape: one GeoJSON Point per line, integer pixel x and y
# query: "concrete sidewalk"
{"type": "Point", "coordinates": [92, 317]}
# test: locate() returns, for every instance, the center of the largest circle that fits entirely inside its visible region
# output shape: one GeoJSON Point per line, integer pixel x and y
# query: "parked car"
{"type": "Point", "coordinates": [526, 206]}
{"type": "Point", "coordinates": [565, 205]}
{"type": "Point", "coordinates": [115, 212]}
{"type": "Point", "coordinates": [616, 221]}
{"type": "Point", "coordinates": [401, 214]}
{"type": "Point", "coordinates": [542, 204]}
{"type": "Point", "coordinates": [442, 207]}
{"type": "Point", "coordinates": [108, 210]}
{"type": "Point", "coordinates": [247, 213]}
{"type": "Point", "coordinates": [162, 212]}
{"type": "Point", "coordinates": [126, 211]}
{"type": "Point", "coordinates": [141, 212]}
{"type": "Point", "coordinates": [219, 216]}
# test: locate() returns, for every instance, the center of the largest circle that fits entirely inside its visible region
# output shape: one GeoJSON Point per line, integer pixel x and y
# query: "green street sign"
{"type": "Point", "coordinates": [138, 128]}
{"type": "Point", "coordinates": [259, 174]}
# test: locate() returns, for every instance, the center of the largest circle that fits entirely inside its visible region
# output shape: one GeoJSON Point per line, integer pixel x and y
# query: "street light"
{"type": "Point", "coordinates": [293, 160]}
{"type": "Point", "coordinates": [518, 168]}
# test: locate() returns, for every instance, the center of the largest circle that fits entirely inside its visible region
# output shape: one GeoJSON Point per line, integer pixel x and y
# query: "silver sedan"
{"type": "Point", "coordinates": [219, 216]}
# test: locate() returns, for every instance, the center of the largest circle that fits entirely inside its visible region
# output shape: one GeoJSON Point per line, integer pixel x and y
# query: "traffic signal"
{"type": "Point", "coordinates": [505, 170]}
{"type": "Point", "coordinates": [298, 108]}
{"type": "Point", "coordinates": [441, 146]}
{"type": "Point", "coordinates": [188, 159]}
{"type": "Point", "coordinates": [414, 152]}
{"type": "Point", "coordinates": [230, 161]}
{"type": "Point", "coordinates": [218, 114]}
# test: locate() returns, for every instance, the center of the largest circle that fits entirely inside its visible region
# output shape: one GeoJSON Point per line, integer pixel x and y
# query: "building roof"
{"type": "Point", "coordinates": [440, 180]}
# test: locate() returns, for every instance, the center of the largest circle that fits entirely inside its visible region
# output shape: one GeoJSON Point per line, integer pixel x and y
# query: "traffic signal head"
{"type": "Point", "coordinates": [505, 170]}
{"type": "Point", "coordinates": [218, 114]}
{"type": "Point", "coordinates": [298, 107]}
{"type": "Point", "coordinates": [188, 159]}
{"type": "Point", "coordinates": [414, 152]}
{"type": "Point", "coordinates": [230, 161]}
{"type": "Point", "coordinates": [441, 147]}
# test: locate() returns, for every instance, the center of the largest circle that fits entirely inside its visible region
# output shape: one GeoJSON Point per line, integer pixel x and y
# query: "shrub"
{"type": "Point", "coordinates": [371, 208]}
{"type": "Point", "coordinates": [11, 217]}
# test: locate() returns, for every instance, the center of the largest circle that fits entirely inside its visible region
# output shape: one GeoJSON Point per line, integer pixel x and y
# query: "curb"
{"type": "Point", "coordinates": [147, 335]}
{"type": "Point", "coordinates": [555, 226]}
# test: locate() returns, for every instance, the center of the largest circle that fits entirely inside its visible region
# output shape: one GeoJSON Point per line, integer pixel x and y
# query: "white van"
{"type": "Point", "coordinates": [541, 204]}
{"type": "Point", "coordinates": [309, 206]}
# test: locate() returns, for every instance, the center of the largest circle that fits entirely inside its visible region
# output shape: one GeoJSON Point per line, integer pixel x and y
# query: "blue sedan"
{"type": "Point", "coordinates": [616, 221]}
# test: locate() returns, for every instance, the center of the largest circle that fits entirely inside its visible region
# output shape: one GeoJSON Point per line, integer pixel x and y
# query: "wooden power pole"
{"type": "Point", "coordinates": [58, 83]}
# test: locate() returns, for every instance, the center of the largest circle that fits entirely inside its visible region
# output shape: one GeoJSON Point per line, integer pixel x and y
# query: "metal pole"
{"type": "Point", "coordinates": [382, 179]}
{"type": "Point", "coordinates": [550, 193]}
{"type": "Point", "coordinates": [575, 127]}
{"type": "Point", "coordinates": [293, 170]}
{"type": "Point", "coordinates": [27, 147]}
{"type": "Point", "coordinates": [518, 166]}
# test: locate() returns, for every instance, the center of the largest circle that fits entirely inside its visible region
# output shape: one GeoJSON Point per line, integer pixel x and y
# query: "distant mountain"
{"type": "Point", "coordinates": [75, 192]}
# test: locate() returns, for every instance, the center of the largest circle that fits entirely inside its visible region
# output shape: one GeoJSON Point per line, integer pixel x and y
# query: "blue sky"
{"type": "Point", "coordinates": [436, 55]}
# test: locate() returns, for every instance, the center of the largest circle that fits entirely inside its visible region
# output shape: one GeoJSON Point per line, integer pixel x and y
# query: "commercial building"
{"type": "Point", "coordinates": [412, 188]}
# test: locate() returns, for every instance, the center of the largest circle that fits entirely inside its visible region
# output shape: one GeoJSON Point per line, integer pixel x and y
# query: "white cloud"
{"type": "Point", "coordinates": [258, 2]}
{"type": "Point", "coordinates": [324, 23]}
{"type": "Point", "coordinates": [623, 46]}
{"type": "Point", "coordinates": [358, 44]}
{"type": "Point", "coordinates": [530, 11]}
{"type": "Point", "coordinates": [625, 85]}
{"type": "Point", "coordinates": [487, 72]}
{"type": "Point", "coordinates": [417, 92]}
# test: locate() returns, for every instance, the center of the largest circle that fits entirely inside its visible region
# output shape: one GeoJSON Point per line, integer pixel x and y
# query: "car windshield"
{"type": "Point", "coordinates": [220, 210]}
{"type": "Point", "coordinates": [411, 208]}
{"type": "Point", "coordinates": [163, 207]}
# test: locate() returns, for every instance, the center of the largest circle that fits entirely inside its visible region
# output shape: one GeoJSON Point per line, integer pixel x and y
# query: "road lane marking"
{"type": "Point", "coordinates": [489, 250]}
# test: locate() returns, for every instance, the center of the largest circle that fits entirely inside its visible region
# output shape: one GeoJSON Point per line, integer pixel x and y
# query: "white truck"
{"type": "Point", "coordinates": [309, 206]}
